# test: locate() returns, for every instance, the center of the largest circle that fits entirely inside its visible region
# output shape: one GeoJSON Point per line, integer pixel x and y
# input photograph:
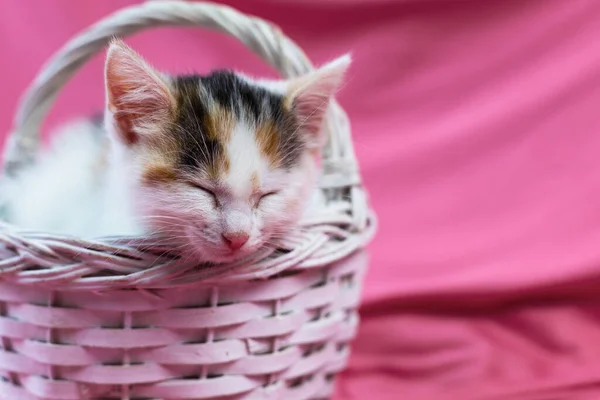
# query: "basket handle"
{"type": "Point", "coordinates": [263, 38]}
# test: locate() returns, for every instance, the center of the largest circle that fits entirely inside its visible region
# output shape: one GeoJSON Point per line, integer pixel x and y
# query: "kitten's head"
{"type": "Point", "coordinates": [221, 163]}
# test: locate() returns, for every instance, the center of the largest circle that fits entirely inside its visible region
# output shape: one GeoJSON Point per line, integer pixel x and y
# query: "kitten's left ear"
{"type": "Point", "coordinates": [309, 95]}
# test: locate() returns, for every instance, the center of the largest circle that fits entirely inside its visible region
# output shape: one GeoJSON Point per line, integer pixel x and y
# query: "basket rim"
{"type": "Point", "coordinates": [66, 262]}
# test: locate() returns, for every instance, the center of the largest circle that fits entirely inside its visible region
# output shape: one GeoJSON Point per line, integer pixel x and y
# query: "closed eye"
{"type": "Point", "coordinates": [265, 196]}
{"type": "Point", "coordinates": [207, 191]}
{"type": "Point", "coordinates": [268, 194]}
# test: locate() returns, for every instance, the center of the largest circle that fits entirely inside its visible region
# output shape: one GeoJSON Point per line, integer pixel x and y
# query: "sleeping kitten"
{"type": "Point", "coordinates": [221, 163]}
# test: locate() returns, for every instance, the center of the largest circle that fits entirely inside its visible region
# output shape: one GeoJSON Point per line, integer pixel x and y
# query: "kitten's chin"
{"type": "Point", "coordinates": [210, 253]}
{"type": "Point", "coordinates": [219, 256]}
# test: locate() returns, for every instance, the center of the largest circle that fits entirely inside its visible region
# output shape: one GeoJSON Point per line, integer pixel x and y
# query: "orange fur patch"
{"type": "Point", "coordinates": [267, 136]}
{"type": "Point", "coordinates": [159, 173]}
{"type": "Point", "coordinates": [220, 124]}
{"type": "Point", "coordinates": [255, 182]}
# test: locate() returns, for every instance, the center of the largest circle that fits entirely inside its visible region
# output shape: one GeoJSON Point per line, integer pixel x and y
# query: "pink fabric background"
{"type": "Point", "coordinates": [478, 127]}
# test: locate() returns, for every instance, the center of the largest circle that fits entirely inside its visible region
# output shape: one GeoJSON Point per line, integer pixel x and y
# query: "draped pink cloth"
{"type": "Point", "coordinates": [477, 124]}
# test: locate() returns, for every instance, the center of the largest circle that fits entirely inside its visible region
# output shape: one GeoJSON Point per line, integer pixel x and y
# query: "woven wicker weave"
{"type": "Point", "coordinates": [116, 318]}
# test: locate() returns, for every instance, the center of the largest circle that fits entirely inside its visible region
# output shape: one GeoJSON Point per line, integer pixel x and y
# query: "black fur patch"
{"type": "Point", "coordinates": [197, 149]}
{"type": "Point", "coordinates": [249, 103]}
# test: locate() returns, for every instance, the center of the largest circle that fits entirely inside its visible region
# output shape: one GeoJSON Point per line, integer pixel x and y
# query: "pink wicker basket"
{"type": "Point", "coordinates": [117, 319]}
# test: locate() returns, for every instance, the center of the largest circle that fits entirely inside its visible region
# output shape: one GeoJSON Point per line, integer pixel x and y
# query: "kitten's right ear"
{"type": "Point", "coordinates": [137, 95]}
{"type": "Point", "coordinates": [309, 96]}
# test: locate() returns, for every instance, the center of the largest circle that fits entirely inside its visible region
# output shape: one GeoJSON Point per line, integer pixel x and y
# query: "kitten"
{"type": "Point", "coordinates": [220, 163]}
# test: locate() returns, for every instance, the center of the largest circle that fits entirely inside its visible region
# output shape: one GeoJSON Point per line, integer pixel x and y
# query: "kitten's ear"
{"type": "Point", "coordinates": [137, 95]}
{"type": "Point", "coordinates": [309, 95]}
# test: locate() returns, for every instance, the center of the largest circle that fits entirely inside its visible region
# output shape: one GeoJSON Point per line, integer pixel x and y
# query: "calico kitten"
{"type": "Point", "coordinates": [221, 163]}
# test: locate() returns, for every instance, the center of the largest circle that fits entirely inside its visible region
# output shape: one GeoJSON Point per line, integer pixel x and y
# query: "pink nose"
{"type": "Point", "coordinates": [235, 240]}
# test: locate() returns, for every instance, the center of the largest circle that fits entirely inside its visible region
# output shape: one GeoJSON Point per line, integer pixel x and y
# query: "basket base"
{"type": "Point", "coordinates": [279, 339]}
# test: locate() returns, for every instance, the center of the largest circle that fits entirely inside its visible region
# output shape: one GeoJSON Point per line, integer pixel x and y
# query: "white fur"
{"type": "Point", "coordinates": [63, 192]}
{"type": "Point", "coordinates": [245, 160]}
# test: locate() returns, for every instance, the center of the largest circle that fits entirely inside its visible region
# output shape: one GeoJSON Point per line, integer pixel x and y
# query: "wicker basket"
{"type": "Point", "coordinates": [117, 319]}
